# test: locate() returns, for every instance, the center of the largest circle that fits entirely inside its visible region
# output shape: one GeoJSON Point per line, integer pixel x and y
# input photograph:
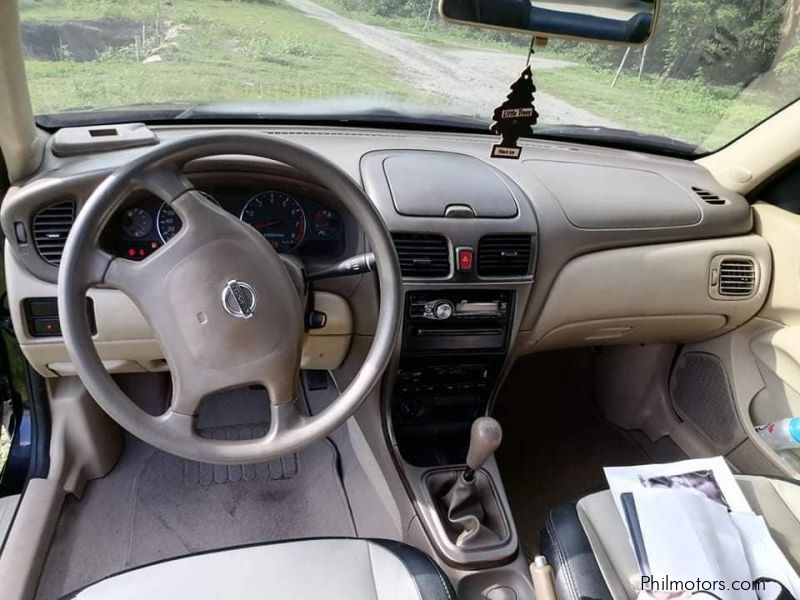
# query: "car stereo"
{"type": "Point", "coordinates": [456, 320]}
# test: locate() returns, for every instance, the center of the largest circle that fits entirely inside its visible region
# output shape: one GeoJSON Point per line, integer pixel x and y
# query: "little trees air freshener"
{"type": "Point", "coordinates": [515, 117]}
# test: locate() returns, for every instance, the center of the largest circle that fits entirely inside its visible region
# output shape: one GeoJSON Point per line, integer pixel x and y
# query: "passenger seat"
{"type": "Point", "coordinates": [587, 544]}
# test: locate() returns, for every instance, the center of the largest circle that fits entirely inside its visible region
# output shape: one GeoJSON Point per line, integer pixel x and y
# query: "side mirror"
{"type": "Point", "coordinates": [630, 22]}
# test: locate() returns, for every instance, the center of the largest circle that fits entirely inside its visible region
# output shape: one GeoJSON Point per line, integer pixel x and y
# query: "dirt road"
{"type": "Point", "coordinates": [471, 80]}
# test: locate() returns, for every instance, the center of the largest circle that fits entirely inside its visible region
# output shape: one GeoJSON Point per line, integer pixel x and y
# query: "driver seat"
{"type": "Point", "coordinates": [319, 569]}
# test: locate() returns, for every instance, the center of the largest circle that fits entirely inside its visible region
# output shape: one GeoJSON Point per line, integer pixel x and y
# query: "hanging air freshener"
{"type": "Point", "coordinates": [515, 117]}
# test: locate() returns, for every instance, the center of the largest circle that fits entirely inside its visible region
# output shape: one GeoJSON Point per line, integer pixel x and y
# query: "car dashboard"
{"type": "Point", "coordinates": [569, 246]}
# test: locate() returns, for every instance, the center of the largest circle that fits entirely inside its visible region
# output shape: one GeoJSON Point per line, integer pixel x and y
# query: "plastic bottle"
{"type": "Point", "coordinates": [781, 435]}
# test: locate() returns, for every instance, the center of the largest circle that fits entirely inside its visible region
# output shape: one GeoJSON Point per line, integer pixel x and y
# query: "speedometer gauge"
{"type": "Point", "coordinates": [278, 217]}
{"type": "Point", "coordinates": [168, 223]}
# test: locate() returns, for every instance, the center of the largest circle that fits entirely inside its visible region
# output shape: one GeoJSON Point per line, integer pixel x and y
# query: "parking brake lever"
{"type": "Point", "coordinates": [355, 265]}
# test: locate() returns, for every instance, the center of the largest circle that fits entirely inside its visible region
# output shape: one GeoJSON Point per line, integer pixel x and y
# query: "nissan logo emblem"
{"type": "Point", "coordinates": [239, 299]}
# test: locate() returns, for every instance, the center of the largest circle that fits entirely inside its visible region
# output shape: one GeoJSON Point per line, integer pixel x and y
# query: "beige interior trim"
{"type": "Point", "coordinates": [646, 294]}
{"type": "Point", "coordinates": [29, 538]}
{"type": "Point", "coordinates": [763, 358]}
{"type": "Point", "coordinates": [84, 442]}
{"type": "Point", "coordinates": [748, 161]}
{"type": "Point", "coordinates": [749, 388]}
{"type": "Point", "coordinates": [21, 142]}
{"type": "Point", "coordinates": [777, 352]}
{"type": "Point", "coordinates": [8, 507]}
{"type": "Point", "coordinates": [326, 348]}
{"type": "Point", "coordinates": [125, 341]}
{"type": "Point", "coordinates": [780, 228]}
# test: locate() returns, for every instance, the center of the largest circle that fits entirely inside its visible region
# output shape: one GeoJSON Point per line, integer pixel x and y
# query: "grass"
{"type": "Point", "coordinates": [690, 111]}
{"type": "Point", "coordinates": [235, 50]}
{"type": "Point", "coordinates": [684, 110]}
{"type": "Point", "coordinates": [226, 50]}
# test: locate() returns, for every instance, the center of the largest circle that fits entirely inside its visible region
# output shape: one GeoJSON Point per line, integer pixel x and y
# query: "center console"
{"type": "Point", "coordinates": [467, 238]}
{"type": "Point", "coordinates": [455, 343]}
{"type": "Point", "coordinates": [453, 351]}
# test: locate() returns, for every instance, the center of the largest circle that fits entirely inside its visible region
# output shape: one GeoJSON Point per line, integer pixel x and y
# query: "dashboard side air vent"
{"type": "Point", "coordinates": [51, 226]}
{"type": "Point", "coordinates": [709, 197]}
{"type": "Point", "coordinates": [422, 255]}
{"type": "Point", "coordinates": [733, 277]}
{"type": "Point", "coordinates": [504, 255]}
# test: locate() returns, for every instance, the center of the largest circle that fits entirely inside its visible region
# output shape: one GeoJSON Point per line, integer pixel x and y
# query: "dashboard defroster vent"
{"type": "Point", "coordinates": [733, 277]}
{"type": "Point", "coordinates": [422, 255]}
{"type": "Point", "coordinates": [51, 227]}
{"type": "Point", "coordinates": [709, 197]}
{"type": "Point", "coordinates": [504, 255]}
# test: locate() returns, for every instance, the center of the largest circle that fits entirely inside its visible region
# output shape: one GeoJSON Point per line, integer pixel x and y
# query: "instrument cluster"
{"type": "Point", "coordinates": [291, 222]}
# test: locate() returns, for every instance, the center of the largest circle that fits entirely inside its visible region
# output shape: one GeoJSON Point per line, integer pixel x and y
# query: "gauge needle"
{"type": "Point", "coordinates": [268, 224]}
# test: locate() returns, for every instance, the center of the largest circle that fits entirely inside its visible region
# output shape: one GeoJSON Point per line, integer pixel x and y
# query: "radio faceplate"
{"type": "Point", "coordinates": [457, 320]}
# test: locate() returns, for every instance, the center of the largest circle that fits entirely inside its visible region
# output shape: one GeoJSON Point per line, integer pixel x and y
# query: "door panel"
{"type": "Point", "coordinates": [762, 358]}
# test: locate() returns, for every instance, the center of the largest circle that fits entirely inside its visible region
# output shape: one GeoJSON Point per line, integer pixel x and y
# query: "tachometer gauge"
{"type": "Point", "coordinates": [169, 223]}
{"type": "Point", "coordinates": [278, 217]}
{"type": "Point", "coordinates": [136, 222]}
{"type": "Point", "coordinates": [325, 223]}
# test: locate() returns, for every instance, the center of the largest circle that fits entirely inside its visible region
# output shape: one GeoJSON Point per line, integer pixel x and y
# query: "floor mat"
{"type": "Point", "coordinates": [555, 444]}
{"type": "Point", "coordinates": [154, 505]}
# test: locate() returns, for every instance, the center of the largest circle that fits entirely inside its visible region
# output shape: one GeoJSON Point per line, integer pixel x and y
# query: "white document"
{"type": "Point", "coordinates": [696, 523]}
{"type": "Point", "coordinates": [763, 554]}
{"type": "Point", "coordinates": [689, 538]}
{"type": "Point", "coordinates": [708, 475]}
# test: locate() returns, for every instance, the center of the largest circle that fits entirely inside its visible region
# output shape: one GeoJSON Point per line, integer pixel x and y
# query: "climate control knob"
{"type": "Point", "coordinates": [439, 310]}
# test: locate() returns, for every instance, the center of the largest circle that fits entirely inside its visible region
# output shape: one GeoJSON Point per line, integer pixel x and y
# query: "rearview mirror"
{"type": "Point", "coordinates": [629, 22]}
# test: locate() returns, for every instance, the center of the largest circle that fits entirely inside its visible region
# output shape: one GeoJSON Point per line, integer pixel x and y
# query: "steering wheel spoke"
{"type": "Point", "coordinates": [166, 181]}
{"type": "Point", "coordinates": [285, 418]}
{"type": "Point", "coordinates": [122, 274]}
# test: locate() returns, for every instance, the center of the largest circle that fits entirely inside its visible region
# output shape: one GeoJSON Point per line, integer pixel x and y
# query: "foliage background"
{"type": "Point", "coordinates": [720, 42]}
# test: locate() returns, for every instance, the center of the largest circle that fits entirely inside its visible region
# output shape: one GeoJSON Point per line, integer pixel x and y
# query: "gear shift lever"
{"type": "Point", "coordinates": [484, 440]}
{"type": "Point", "coordinates": [466, 503]}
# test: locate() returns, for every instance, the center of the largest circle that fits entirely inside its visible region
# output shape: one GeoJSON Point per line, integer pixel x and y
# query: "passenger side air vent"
{"type": "Point", "coordinates": [733, 277]}
{"type": "Point", "coordinates": [422, 255]}
{"type": "Point", "coordinates": [51, 226]}
{"type": "Point", "coordinates": [709, 197]}
{"type": "Point", "coordinates": [504, 255]}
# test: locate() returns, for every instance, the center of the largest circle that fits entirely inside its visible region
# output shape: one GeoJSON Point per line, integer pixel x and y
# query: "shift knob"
{"type": "Point", "coordinates": [484, 439]}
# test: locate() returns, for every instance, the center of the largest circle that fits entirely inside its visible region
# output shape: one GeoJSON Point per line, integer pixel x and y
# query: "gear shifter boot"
{"type": "Point", "coordinates": [466, 499]}
{"type": "Point", "coordinates": [465, 511]}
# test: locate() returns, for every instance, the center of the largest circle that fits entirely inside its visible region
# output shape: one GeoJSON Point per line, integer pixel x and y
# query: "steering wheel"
{"type": "Point", "coordinates": [220, 302]}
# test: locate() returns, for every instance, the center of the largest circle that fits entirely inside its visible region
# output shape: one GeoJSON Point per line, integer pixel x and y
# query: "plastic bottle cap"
{"type": "Point", "coordinates": [794, 429]}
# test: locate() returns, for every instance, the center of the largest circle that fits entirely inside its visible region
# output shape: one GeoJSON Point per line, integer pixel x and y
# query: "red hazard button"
{"type": "Point", "coordinates": [464, 259]}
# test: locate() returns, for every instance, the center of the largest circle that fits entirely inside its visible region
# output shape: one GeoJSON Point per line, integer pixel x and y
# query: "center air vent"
{"type": "Point", "coordinates": [51, 226]}
{"type": "Point", "coordinates": [709, 197]}
{"type": "Point", "coordinates": [422, 255]}
{"type": "Point", "coordinates": [504, 255]}
{"type": "Point", "coordinates": [733, 277]}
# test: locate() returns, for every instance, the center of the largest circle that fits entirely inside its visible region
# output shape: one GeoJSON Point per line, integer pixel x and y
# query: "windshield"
{"type": "Point", "coordinates": [713, 69]}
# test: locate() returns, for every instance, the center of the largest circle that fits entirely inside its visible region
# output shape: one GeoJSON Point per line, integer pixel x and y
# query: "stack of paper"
{"type": "Point", "coordinates": [692, 530]}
